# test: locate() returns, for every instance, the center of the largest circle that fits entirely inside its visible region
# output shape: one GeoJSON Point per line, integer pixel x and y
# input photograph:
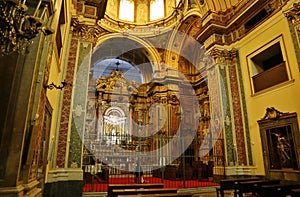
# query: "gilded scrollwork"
{"type": "Point", "coordinates": [89, 33]}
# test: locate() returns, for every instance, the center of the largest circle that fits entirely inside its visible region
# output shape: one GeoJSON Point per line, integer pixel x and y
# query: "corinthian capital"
{"type": "Point", "coordinates": [89, 33]}
{"type": "Point", "coordinates": [294, 13]}
{"type": "Point", "coordinates": [224, 56]}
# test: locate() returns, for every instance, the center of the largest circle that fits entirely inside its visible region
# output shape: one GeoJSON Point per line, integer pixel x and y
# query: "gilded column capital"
{"type": "Point", "coordinates": [224, 56]}
{"type": "Point", "coordinates": [85, 32]}
{"type": "Point", "coordinates": [294, 13]}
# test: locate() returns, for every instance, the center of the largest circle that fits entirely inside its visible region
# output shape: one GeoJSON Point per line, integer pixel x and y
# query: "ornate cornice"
{"type": "Point", "coordinates": [85, 32]}
{"type": "Point", "coordinates": [150, 29]}
{"type": "Point", "coordinates": [294, 14]}
{"type": "Point", "coordinates": [225, 28]}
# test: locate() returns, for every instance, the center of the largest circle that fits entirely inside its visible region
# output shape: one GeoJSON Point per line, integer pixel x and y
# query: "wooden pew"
{"type": "Point", "coordinates": [278, 190]}
{"type": "Point", "coordinates": [132, 186]}
{"type": "Point", "coordinates": [182, 194]}
{"type": "Point", "coordinates": [295, 192]}
{"type": "Point", "coordinates": [253, 186]}
{"type": "Point", "coordinates": [232, 184]}
{"type": "Point", "coordinates": [120, 192]}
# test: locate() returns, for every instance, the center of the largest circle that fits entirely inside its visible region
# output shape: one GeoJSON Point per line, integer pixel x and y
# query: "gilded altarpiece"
{"type": "Point", "coordinates": [126, 118]}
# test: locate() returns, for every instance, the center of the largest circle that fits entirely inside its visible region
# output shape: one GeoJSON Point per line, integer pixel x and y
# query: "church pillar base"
{"type": "Point", "coordinates": [64, 182]}
{"type": "Point", "coordinates": [17, 191]}
{"type": "Point", "coordinates": [234, 171]}
{"type": "Point", "coordinates": [240, 171]}
{"type": "Point", "coordinates": [31, 189]}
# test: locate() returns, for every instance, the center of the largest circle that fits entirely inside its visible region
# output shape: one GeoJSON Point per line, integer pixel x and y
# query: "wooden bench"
{"type": "Point", "coordinates": [120, 192]}
{"type": "Point", "coordinates": [232, 184]}
{"type": "Point", "coordinates": [253, 186]}
{"type": "Point", "coordinates": [132, 186]}
{"type": "Point", "coordinates": [278, 190]}
{"type": "Point", "coordinates": [295, 192]}
{"type": "Point", "coordinates": [182, 194]}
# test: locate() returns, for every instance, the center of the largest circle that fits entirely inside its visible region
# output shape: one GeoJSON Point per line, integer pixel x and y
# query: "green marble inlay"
{"type": "Point", "coordinates": [244, 111]}
{"type": "Point", "coordinates": [75, 147]}
{"type": "Point", "coordinates": [79, 105]}
{"type": "Point", "coordinates": [227, 115]}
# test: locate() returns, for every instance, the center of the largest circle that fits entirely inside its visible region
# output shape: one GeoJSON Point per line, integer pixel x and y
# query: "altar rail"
{"type": "Point", "coordinates": [112, 165]}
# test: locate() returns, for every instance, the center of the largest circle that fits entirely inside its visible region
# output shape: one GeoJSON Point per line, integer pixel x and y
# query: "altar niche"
{"type": "Point", "coordinates": [280, 142]}
{"type": "Point", "coordinates": [114, 126]}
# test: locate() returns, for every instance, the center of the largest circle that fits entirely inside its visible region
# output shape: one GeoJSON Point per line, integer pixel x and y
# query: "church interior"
{"type": "Point", "coordinates": [189, 94]}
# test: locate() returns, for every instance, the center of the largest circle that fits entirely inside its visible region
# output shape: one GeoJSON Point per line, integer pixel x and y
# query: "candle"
{"type": "Point", "coordinates": [44, 11]}
{"type": "Point", "coordinates": [37, 8]}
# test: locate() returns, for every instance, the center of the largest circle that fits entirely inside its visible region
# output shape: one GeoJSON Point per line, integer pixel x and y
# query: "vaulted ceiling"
{"type": "Point", "coordinates": [220, 5]}
{"type": "Point", "coordinates": [212, 5]}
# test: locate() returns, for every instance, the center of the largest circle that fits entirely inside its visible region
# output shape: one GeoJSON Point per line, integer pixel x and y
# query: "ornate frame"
{"type": "Point", "coordinates": [276, 119]}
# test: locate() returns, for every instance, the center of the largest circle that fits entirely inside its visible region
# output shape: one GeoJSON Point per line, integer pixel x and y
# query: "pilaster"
{"type": "Point", "coordinates": [293, 17]}
{"type": "Point", "coordinates": [68, 171]}
{"type": "Point", "coordinates": [236, 133]}
{"type": "Point", "coordinates": [80, 105]}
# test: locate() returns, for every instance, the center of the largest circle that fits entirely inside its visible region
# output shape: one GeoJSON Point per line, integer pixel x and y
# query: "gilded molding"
{"type": "Point", "coordinates": [294, 14]}
{"type": "Point", "coordinates": [150, 29]}
{"type": "Point", "coordinates": [225, 28]}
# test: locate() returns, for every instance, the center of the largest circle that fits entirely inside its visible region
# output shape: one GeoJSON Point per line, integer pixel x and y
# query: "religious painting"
{"type": "Point", "coordinates": [281, 148]}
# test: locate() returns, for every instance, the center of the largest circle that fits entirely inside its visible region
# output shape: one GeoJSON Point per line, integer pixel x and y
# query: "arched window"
{"type": "Point", "coordinates": [126, 11]}
{"type": "Point", "coordinates": [104, 68]}
{"type": "Point", "coordinates": [157, 9]}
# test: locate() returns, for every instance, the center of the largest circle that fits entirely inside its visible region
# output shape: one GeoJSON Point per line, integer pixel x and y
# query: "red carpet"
{"type": "Point", "coordinates": [100, 186]}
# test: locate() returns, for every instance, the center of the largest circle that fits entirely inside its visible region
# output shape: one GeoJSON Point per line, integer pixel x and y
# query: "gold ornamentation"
{"type": "Point", "coordinates": [294, 14]}
{"type": "Point", "coordinates": [86, 32]}
{"type": "Point", "coordinates": [272, 113]}
{"type": "Point", "coordinates": [224, 56]}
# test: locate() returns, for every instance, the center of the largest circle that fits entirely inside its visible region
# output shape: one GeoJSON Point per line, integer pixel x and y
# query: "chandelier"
{"type": "Point", "coordinates": [17, 28]}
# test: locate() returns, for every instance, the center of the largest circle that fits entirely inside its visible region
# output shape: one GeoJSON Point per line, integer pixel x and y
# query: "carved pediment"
{"type": "Point", "coordinates": [272, 113]}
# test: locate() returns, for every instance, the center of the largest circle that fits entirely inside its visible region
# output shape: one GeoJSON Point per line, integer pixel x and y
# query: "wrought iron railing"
{"type": "Point", "coordinates": [105, 163]}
